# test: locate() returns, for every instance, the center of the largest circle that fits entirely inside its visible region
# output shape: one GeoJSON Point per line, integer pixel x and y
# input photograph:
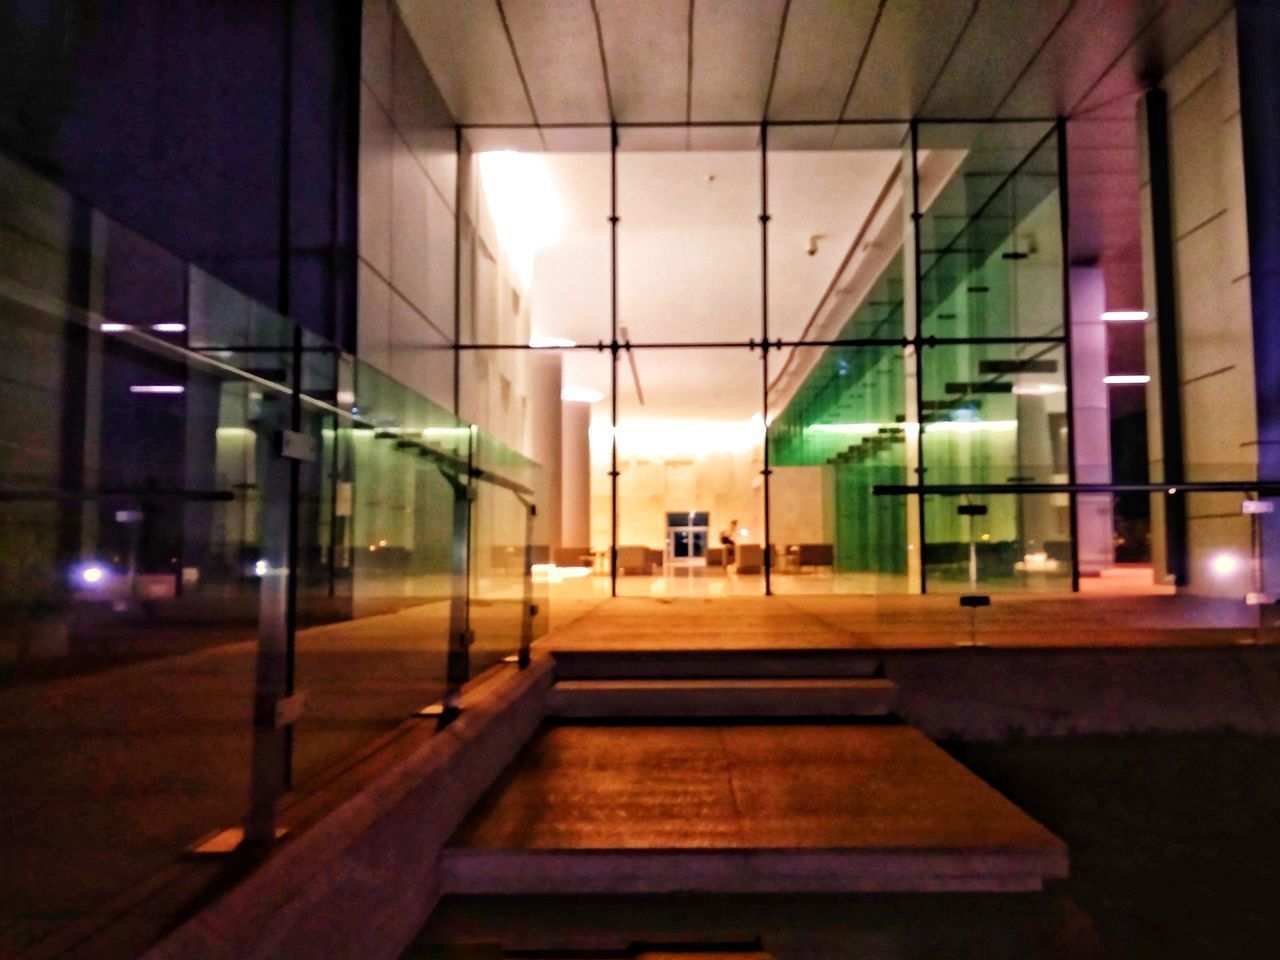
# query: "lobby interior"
{"type": "Point", "coordinates": [638, 479]}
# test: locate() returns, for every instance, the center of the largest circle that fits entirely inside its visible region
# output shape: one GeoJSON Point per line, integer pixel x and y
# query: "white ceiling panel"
{"type": "Point", "coordinates": [820, 51]}
{"type": "Point", "coordinates": [1093, 35]}
{"type": "Point", "coordinates": [733, 48]}
{"type": "Point", "coordinates": [1172, 34]}
{"type": "Point", "coordinates": [646, 45]}
{"type": "Point", "coordinates": [556, 43]}
{"type": "Point", "coordinates": [910, 45]}
{"type": "Point", "coordinates": [469, 59]}
{"type": "Point", "coordinates": [980, 72]}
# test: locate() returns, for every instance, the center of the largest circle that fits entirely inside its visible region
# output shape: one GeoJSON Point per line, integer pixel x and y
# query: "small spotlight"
{"type": "Point", "coordinates": [92, 574]}
{"type": "Point", "coordinates": [261, 568]}
{"type": "Point", "coordinates": [1224, 564]}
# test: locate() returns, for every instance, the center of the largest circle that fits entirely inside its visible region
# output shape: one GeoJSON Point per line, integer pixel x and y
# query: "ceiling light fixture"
{"type": "Point", "coordinates": [1125, 316]}
{"type": "Point", "coordinates": [158, 388]}
{"type": "Point", "coordinates": [539, 342]}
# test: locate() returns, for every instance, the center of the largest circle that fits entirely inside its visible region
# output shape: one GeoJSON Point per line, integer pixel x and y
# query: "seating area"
{"type": "Point", "coordinates": [640, 560]}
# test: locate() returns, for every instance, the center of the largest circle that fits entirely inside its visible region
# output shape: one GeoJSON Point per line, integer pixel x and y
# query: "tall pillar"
{"type": "Point", "coordinates": [575, 474]}
{"type": "Point", "coordinates": [1091, 417]}
{"type": "Point", "coordinates": [545, 382]}
{"type": "Point", "coordinates": [1258, 33]}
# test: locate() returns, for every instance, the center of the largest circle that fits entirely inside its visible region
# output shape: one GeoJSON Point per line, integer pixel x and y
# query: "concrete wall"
{"type": "Point", "coordinates": [1214, 322]}
{"type": "Point", "coordinates": [408, 176]}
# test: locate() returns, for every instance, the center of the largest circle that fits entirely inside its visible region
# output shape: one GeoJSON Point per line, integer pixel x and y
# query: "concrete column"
{"type": "Point", "coordinates": [1091, 417]}
{"type": "Point", "coordinates": [1259, 87]}
{"type": "Point", "coordinates": [575, 474]}
{"type": "Point", "coordinates": [545, 381]}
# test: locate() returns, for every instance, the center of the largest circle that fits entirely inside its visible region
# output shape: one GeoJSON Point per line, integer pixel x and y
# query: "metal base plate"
{"type": "Point", "coordinates": [225, 842]}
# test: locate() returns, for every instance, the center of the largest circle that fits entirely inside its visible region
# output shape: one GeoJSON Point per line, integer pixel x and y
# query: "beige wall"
{"type": "Point", "coordinates": [1211, 275]}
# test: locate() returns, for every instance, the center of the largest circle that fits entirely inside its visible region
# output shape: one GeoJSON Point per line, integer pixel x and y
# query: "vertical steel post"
{"type": "Point", "coordinates": [764, 350]}
{"type": "Point", "coordinates": [613, 359]}
{"type": "Point", "coordinates": [1065, 218]}
{"type": "Point", "coordinates": [918, 344]}
{"type": "Point", "coordinates": [528, 609]}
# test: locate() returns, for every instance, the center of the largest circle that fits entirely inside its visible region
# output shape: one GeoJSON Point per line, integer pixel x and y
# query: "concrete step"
{"type": "Point", "coordinates": [828, 697]}
{"type": "Point", "coordinates": [710, 663]}
{"type": "Point", "coordinates": [744, 808]}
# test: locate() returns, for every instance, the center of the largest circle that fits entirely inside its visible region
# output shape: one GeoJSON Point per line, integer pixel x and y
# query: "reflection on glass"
{"type": "Point", "coordinates": [990, 231]}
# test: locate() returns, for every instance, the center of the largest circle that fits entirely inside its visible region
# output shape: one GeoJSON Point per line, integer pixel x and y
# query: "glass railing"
{"type": "Point", "coordinates": [230, 557]}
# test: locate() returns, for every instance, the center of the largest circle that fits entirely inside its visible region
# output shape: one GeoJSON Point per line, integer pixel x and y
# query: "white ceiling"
{"type": "Point", "coordinates": [590, 61]}
{"type": "Point", "coordinates": [689, 262]}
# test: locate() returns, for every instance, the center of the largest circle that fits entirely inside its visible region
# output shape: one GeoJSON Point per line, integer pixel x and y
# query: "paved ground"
{"type": "Point", "coordinates": [904, 622]}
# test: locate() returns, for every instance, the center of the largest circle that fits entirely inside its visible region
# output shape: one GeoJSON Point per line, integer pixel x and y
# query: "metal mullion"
{"type": "Point", "coordinates": [613, 360]}
{"type": "Point", "coordinates": [1065, 225]}
{"type": "Point", "coordinates": [918, 351]}
{"type": "Point", "coordinates": [764, 349]}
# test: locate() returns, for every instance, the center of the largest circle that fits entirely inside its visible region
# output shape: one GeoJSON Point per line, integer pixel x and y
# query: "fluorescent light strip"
{"type": "Point", "coordinates": [169, 327]}
{"type": "Point", "coordinates": [1125, 316]}
{"type": "Point", "coordinates": [158, 388]}
{"type": "Point", "coordinates": [1125, 378]}
{"type": "Point", "coordinates": [538, 341]}
{"type": "Point", "coordinates": [581, 395]}
{"type": "Point", "coordinates": [109, 327]}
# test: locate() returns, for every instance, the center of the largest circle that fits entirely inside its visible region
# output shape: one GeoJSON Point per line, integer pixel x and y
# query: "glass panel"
{"type": "Point", "coordinates": [535, 236]}
{"type": "Point", "coordinates": [990, 232]}
{"type": "Point", "coordinates": [130, 541]}
{"type": "Point", "coordinates": [376, 514]}
{"type": "Point", "coordinates": [689, 236]}
{"type": "Point", "coordinates": [835, 228]}
{"type": "Point", "coordinates": [994, 413]}
{"type": "Point", "coordinates": [690, 451]}
{"type": "Point", "coordinates": [841, 432]}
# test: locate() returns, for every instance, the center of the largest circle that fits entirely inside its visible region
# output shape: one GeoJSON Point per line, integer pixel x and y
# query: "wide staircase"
{"type": "Point", "coordinates": [739, 771]}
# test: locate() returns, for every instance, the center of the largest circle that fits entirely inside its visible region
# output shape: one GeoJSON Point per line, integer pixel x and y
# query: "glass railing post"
{"type": "Point", "coordinates": [458, 659]}
{"type": "Point", "coordinates": [527, 609]}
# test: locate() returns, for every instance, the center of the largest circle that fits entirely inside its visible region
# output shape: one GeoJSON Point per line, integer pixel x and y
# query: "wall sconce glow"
{"type": "Point", "coordinates": [261, 568]}
{"type": "Point", "coordinates": [1125, 316]}
{"type": "Point", "coordinates": [1038, 389]}
{"type": "Point", "coordinates": [1122, 378]}
{"type": "Point", "coordinates": [581, 395]}
{"type": "Point", "coordinates": [524, 204]}
{"type": "Point", "coordinates": [114, 327]}
{"type": "Point", "coordinates": [158, 388]}
{"type": "Point", "coordinates": [540, 342]}
{"type": "Point", "coordinates": [1224, 564]}
{"type": "Point", "coordinates": [169, 327]}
